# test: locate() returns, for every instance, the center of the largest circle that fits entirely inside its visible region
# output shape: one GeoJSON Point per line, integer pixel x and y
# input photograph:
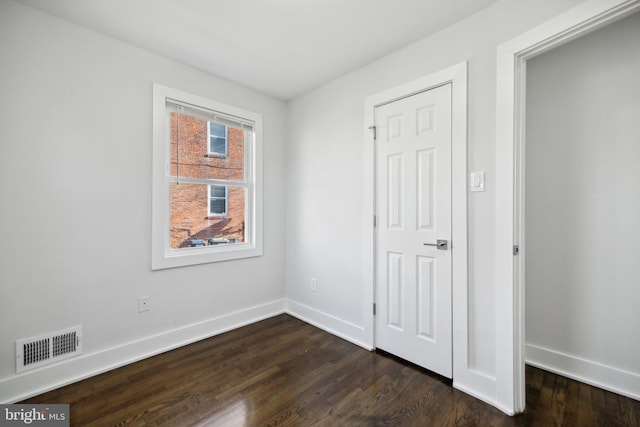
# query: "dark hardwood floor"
{"type": "Point", "coordinates": [282, 371]}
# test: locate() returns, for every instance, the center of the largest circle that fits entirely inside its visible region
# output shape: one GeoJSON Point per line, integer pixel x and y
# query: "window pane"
{"type": "Point", "coordinates": [218, 191]}
{"type": "Point", "coordinates": [191, 223]}
{"type": "Point", "coordinates": [218, 206]}
{"type": "Point", "coordinates": [190, 150]}
{"type": "Point", "coordinates": [218, 145]}
{"type": "Point", "coordinates": [216, 129]}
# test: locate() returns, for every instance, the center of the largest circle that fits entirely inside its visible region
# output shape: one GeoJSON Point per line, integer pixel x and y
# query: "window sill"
{"type": "Point", "coordinates": [204, 254]}
{"type": "Point", "coordinates": [216, 156]}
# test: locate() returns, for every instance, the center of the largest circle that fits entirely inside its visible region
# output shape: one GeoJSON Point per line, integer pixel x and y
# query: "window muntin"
{"type": "Point", "coordinates": [206, 208]}
{"type": "Point", "coordinates": [217, 136]}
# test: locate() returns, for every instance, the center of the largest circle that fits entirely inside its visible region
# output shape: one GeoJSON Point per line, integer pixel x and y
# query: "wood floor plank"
{"type": "Point", "coordinates": [570, 416]}
{"type": "Point", "coordinates": [559, 401]}
{"type": "Point", "coordinates": [544, 410]}
{"type": "Point", "coordinates": [284, 372]}
{"type": "Point", "coordinates": [585, 411]}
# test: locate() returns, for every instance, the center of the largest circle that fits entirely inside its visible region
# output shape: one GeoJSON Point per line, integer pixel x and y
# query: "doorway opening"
{"type": "Point", "coordinates": [510, 177]}
{"type": "Point", "coordinates": [582, 207]}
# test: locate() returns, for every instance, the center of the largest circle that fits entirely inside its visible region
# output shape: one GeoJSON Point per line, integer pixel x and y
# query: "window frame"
{"type": "Point", "coordinates": [162, 255]}
{"type": "Point", "coordinates": [226, 140]}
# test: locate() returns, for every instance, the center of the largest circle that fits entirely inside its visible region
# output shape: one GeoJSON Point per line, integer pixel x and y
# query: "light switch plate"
{"type": "Point", "coordinates": [476, 181]}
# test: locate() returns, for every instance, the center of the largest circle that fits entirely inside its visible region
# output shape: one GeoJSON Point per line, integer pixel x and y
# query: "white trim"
{"type": "Point", "coordinates": [329, 323]}
{"type": "Point", "coordinates": [510, 98]}
{"type": "Point", "coordinates": [226, 200]}
{"type": "Point", "coordinates": [457, 75]}
{"type": "Point", "coordinates": [162, 256]}
{"type": "Point", "coordinates": [31, 383]}
{"type": "Point", "coordinates": [587, 371]}
{"type": "Point", "coordinates": [41, 380]}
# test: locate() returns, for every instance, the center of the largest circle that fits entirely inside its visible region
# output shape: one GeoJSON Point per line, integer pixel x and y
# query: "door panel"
{"type": "Point", "coordinates": [425, 299]}
{"type": "Point", "coordinates": [395, 184]}
{"type": "Point", "coordinates": [413, 202]}
{"type": "Point", "coordinates": [394, 291]}
{"type": "Point", "coordinates": [424, 193]}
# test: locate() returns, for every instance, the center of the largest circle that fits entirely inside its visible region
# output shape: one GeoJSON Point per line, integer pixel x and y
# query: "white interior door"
{"type": "Point", "coordinates": [413, 207]}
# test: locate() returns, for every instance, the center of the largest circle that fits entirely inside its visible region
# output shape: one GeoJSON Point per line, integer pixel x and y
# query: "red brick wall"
{"type": "Point", "coordinates": [189, 202]}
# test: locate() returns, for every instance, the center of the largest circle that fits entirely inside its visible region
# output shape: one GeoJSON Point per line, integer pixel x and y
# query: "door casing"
{"type": "Point", "coordinates": [457, 76]}
{"type": "Point", "coordinates": [510, 175]}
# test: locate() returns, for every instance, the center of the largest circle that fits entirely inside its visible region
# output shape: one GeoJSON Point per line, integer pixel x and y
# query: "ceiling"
{"type": "Point", "coordinates": [280, 47]}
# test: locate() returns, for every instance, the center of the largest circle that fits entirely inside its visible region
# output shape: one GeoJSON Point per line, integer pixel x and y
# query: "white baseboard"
{"type": "Point", "coordinates": [586, 371]}
{"type": "Point", "coordinates": [31, 383]}
{"type": "Point", "coordinates": [327, 322]}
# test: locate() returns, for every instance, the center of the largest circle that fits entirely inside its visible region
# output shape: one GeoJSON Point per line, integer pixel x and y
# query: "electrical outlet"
{"type": "Point", "coordinates": [314, 284]}
{"type": "Point", "coordinates": [143, 304]}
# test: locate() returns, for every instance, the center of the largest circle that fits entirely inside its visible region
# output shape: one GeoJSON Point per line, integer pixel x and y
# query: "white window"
{"type": "Point", "coordinates": [206, 208]}
{"type": "Point", "coordinates": [217, 137]}
{"type": "Point", "coordinates": [217, 200]}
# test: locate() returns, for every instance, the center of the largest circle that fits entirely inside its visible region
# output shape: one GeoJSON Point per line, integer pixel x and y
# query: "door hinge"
{"type": "Point", "coordinates": [516, 249]}
{"type": "Point", "coordinates": [375, 221]}
{"type": "Point", "coordinates": [374, 308]}
{"type": "Point", "coordinates": [373, 128]}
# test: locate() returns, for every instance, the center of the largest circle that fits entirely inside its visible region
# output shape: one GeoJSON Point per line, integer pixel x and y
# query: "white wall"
{"type": "Point", "coordinates": [582, 208]}
{"type": "Point", "coordinates": [75, 210]}
{"type": "Point", "coordinates": [325, 179]}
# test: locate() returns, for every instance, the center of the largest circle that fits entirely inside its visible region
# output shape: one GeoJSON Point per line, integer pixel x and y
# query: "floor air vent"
{"type": "Point", "coordinates": [46, 349]}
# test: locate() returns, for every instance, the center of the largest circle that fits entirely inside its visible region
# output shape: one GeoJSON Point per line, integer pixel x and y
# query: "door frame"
{"type": "Point", "coordinates": [457, 76]}
{"type": "Point", "coordinates": [510, 175]}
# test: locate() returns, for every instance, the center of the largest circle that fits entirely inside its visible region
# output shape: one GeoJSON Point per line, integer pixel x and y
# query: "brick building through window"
{"type": "Point", "coordinates": [200, 214]}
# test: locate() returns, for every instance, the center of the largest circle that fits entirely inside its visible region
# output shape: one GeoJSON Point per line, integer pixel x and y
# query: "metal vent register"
{"type": "Point", "coordinates": [46, 349]}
